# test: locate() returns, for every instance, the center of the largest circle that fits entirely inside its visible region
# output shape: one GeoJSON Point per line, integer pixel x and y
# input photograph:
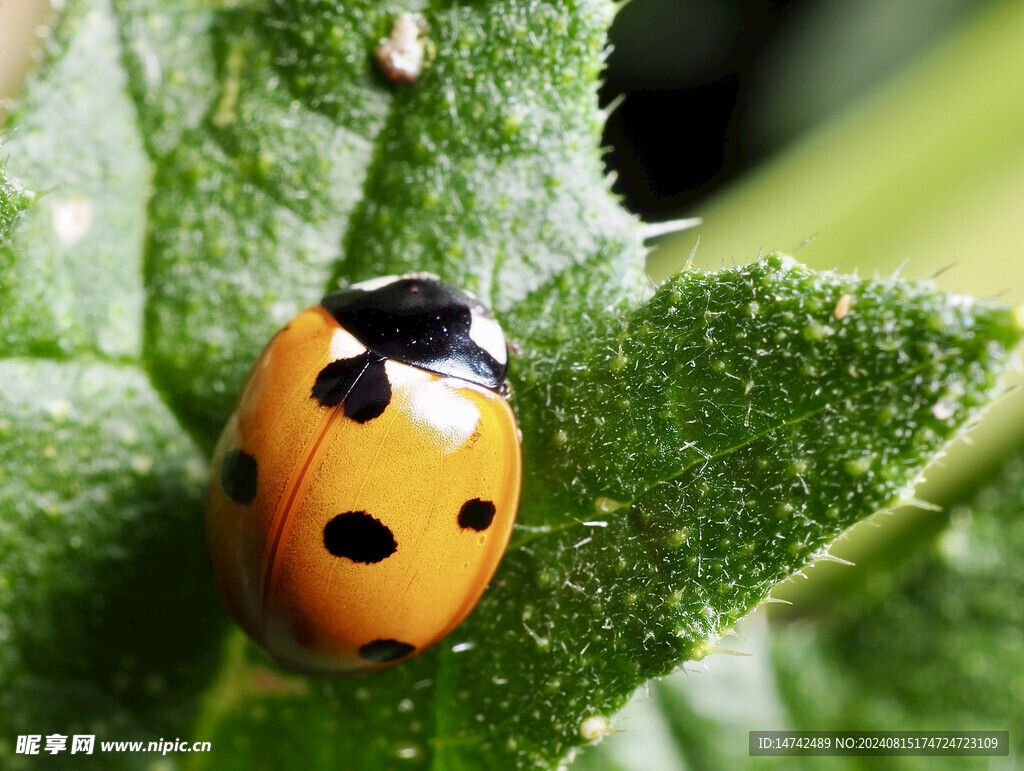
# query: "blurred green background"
{"type": "Point", "coordinates": [877, 136]}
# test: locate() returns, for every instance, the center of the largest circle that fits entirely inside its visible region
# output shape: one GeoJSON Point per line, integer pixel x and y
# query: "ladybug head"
{"type": "Point", "coordinates": [419, 320]}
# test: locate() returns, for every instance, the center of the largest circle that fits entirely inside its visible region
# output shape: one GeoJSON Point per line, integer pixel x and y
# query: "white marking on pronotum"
{"type": "Point", "coordinates": [344, 346]}
{"type": "Point", "coordinates": [486, 332]}
{"type": "Point", "coordinates": [375, 283]}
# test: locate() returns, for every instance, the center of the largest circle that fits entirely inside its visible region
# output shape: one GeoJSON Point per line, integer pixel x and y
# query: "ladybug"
{"type": "Point", "coordinates": [365, 487]}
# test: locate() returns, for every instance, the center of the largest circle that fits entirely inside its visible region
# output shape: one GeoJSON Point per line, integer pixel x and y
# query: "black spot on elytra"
{"type": "Point", "coordinates": [419, 321]}
{"type": "Point", "coordinates": [360, 537]}
{"type": "Point", "coordinates": [385, 650]}
{"type": "Point", "coordinates": [360, 383]}
{"type": "Point", "coordinates": [238, 472]}
{"type": "Point", "coordinates": [476, 514]}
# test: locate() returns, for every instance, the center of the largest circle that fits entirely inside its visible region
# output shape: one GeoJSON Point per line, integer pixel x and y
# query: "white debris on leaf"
{"type": "Point", "coordinates": [72, 220]}
{"type": "Point", "coordinates": [400, 55]}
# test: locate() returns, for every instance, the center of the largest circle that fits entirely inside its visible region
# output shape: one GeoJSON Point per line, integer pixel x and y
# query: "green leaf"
{"type": "Point", "coordinates": [105, 608]}
{"type": "Point", "coordinates": [490, 173]}
{"type": "Point", "coordinates": [700, 716]}
{"type": "Point", "coordinates": [942, 619]}
{"type": "Point", "coordinates": [235, 160]}
{"type": "Point", "coordinates": [485, 171]}
{"type": "Point", "coordinates": [261, 183]}
{"type": "Point", "coordinates": [77, 285]}
{"type": "Point", "coordinates": [758, 428]}
{"type": "Point", "coordinates": [923, 634]}
{"type": "Point", "coordinates": [13, 201]}
{"type": "Point", "coordinates": [922, 174]}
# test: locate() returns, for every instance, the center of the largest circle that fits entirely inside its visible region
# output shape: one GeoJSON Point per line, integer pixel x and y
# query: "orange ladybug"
{"type": "Point", "coordinates": [365, 487]}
